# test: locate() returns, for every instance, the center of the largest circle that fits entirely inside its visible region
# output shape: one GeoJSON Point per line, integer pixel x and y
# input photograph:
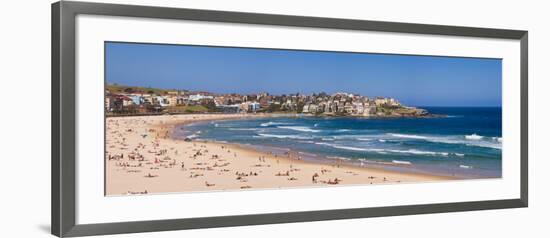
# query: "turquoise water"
{"type": "Point", "coordinates": [465, 143]}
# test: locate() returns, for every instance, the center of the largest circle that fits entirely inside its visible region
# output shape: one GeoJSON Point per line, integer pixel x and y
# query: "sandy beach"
{"type": "Point", "coordinates": [142, 158]}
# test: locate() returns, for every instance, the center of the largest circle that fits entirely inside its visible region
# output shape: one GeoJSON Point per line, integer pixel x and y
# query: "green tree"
{"type": "Point", "coordinates": [210, 105]}
{"type": "Point", "coordinates": [273, 107]}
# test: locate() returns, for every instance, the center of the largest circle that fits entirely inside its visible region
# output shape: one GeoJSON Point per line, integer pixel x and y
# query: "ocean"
{"type": "Point", "coordinates": [465, 143]}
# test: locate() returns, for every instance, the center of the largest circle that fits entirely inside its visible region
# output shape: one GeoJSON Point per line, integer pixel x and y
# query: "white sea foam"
{"type": "Point", "coordinates": [285, 136]}
{"type": "Point", "coordinates": [356, 137]}
{"type": "Point", "coordinates": [242, 129]}
{"type": "Point", "coordinates": [273, 124]}
{"type": "Point", "coordinates": [384, 151]}
{"type": "Point", "coordinates": [343, 130]}
{"type": "Point", "coordinates": [342, 147]}
{"type": "Point", "coordinates": [327, 139]}
{"type": "Point", "coordinates": [400, 162]}
{"type": "Point", "coordinates": [486, 145]}
{"type": "Point", "coordinates": [323, 143]}
{"type": "Point", "coordinates": [356, 148]}
{"type": "Point", "coordinates": [469, 140]}
{"type": "Point", "coordinates": [382, 140]}
{"type": "Point", "coordinates": [299, 128]}
{"type": "Point", "coordinates": [459, 154]}
{"type": "Point", "coordinates": [477, 143]}
{"type": "Point", "coordinates": [473, 137]}
{"type": "Point", "coordinates": [408, 136]}
{"type": "Point", "coordinates": [419, 152]}
{"type": "Point", "coordinates": [192, 136]}
{"type": "Point", "coordinates": [465, 166]}
{"type": "Point", "coordinates": [338, 157]}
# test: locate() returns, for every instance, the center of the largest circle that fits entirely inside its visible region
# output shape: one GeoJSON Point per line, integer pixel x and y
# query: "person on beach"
{"type": "Point", "coordinates": [314, 177]}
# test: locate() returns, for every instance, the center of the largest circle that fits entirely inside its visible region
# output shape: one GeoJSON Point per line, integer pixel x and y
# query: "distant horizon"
{"type": "Point", "coordinates": [424, 81]}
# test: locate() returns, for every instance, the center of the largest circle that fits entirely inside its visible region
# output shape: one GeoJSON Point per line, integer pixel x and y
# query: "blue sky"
{"type": "Point", "coordinates": [413, 80]}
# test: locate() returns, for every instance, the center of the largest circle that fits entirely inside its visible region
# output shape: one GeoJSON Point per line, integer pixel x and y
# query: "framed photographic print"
{"type": "Point", "coordinates": [167, 119]}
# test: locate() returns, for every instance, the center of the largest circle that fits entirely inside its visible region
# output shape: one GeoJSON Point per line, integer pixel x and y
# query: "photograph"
{"type": "Point", "coordinates": [199, 118]}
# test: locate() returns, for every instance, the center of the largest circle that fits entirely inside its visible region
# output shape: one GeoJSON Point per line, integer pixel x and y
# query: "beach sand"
{"type": "Point", "coordinates": [142, 158]}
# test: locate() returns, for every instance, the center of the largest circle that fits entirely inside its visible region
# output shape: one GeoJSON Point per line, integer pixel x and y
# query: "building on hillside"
{"type": "Point", "coordinates": [380, 101]}
{"type": "Point", "coordinates": [108, 103]}
{"type": "Point", "coordinates": [126, 101]}
{"type": "Point", "coordinates": [253, 107]}
{"type": "Point", "coordinates": [118, 102]}
{"type": "Point", "coordinates": [348, 108]}
{"type": "Point", "coordinates": [310, 108]}
{"type": "Point", "coordinates": [161, 101]}
{"type": "Point", "coordinates": [172, 100]}
{"type": "Point", "coordinates": [305, 109]}
{"type": "Point", "coordinates": [369, 110]}
{"type": "Point", "coordinates": [243, 107]}
{"type": "Point", "coordinates": [394, 103]}
{"type": "Point", "coordinates": [198, 97]}
{"type": "Point", "coordinates": [137, 99]}
{"type": "Point", "coordinates": [148, 99]}
{"type": "Point", "coordinates": [357, 108]}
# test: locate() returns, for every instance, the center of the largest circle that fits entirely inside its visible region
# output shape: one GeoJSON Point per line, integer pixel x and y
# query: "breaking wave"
{"type": "Point", "coordinates": [285, 136]}
{"type": "Point", "coordinates": [385, 151]}
{"type": "Point", "coordinates": [299, 128]}
{"type": "Point", "coordinates": [401, 162]}
{"type": "Point", "coordinates": [469, 140]}
{"type": "Point", "coordinates": [473, 137]}
{"type": "Point", "coordinates": [407, 136]}
{"type": "Point", "coordinates": [265, 124]}
{"type": "Point", "coordinates": [242, 129]}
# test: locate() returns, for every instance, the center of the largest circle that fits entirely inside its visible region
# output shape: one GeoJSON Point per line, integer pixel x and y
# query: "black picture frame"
{"type": "Point", "coordinates": [64, 133]}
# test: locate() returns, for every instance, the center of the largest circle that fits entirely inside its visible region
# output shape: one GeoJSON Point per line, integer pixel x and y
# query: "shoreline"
{"type": "Point", "coordinates": [332, 162]}
{"type": "Point", "coordinates": [322, 159]}
{"type": "Point", "coordinates": [142, 157]}
{"type": "Point", "coordinates": [394, 167]}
